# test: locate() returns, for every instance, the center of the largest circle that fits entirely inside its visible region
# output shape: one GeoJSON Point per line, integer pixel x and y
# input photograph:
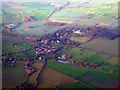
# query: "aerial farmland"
{"type": "Point", "coordinates": [60, 44]}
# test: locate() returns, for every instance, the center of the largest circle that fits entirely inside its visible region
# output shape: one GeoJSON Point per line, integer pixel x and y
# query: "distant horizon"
{"type": "Point", "coordinates": [54, 0]}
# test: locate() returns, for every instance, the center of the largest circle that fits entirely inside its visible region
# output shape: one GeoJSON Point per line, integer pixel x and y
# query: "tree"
{"type": "Point", "coordinates": [111, 72]}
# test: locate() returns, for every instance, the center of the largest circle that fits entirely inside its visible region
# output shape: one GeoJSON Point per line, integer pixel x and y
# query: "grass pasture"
{"type": "Point", "coordinates": [23, 46]}
{"type": "Point", "coordinates": [68, 69]}
{"type": "Point", "coordinates": [8, 38]}
{"type": "Point", "coordinates": [99, 58]}
{"type": "Point", "coordinates": [101, 79]}
{"type": "Point", "coordinates": [17, 48]}
{"type": "Point", "coordinates": [36, 15]}
{"type": "Point", "coordinates": [102, 45]}
{"type": "Point", "coordinates": [37, 30]}
{"type": "Point", "coordinates": [74, 85]}
{"type": "Point", "coordinates": [18, 55]}
{"type": "Point", "coordinates": [30, 53]}
{"type": "Point", "coordinates": [79, 39]}
{"type": "Point", "coordinates": [10, 49]}
{"type": "Point", "coordinates": [78, 53]}
{"type": "Point", "coordinates": [51, 78]}
{"type": "Point", "coordinates": [7, 19]}
{"type": "Point", "coordinates": [13, 76]}
{"type": "Point", "coordinates": [113, 60]}
{"type": "Point", "coordinates": [107, 68]}
{"type": "Point", "coordinates": [38, 5]}
{"type": "Point", "coordinates": [37, 10]}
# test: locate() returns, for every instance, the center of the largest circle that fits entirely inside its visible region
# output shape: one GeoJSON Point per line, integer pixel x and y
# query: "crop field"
{"type": "Point", "coordinates": [37, 30]}
{"type": "Point", "coordinates": [68, 69]}
{"type": "Point", "coordinates": [11, 20]}
{"type": "Point", "coordinates": [38, 5]}
{"type": "Point", "coordinates": [75, 85]}
{"type": "Point", "coordinates": [32, 78]}
{"type": "Point", "coordinates": [10, 49]}
{"type": "Point", "coordinates": [99, 58]}
{"type": "Point", "coordinates": [80, 13]}
{"type": "Point", "coordinates": [66, 16]}
{"type": "Point", "coordinates": [79, 39]}
{"type": "Point", "coordinates": [30, 53]}
{"type": "Point", "coordinates": [13, 76]}
{"type": "Point", "coordinates": [15, 48]}
{"type": "Point", "coordinates": [113, 60]}
{"type": "Point", "coordinates": [39, 12]}
{"type": "Point", "coordinates": [103, 45]}
{"type": "Point", "coordinates": [101, 79]}
{"type": "Point", "coordinates": [35, 26]}
{"type": "Point", "coordinates": [107, 68]}
{"type": "Point", "coordinates": [9, 12]}
{"type": "Point", "coordinates": [18, 55]}
{"type": "Point", "coordinates": [9, 38]}
{"type": "Point", "coordinates": [36, 15]}
{"type": "Point", "coordinates": [51, 78]}
{"type": "Point", "coordinates": [23, 46]}
{"type": "Point", "coordinates": [78, 53]}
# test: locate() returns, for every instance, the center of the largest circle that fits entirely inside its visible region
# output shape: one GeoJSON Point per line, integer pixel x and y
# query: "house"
{"type": "Point", "coordinates": [78, 31]}
{"type": "Point", "coordinates": [58, 41]}
{"type": "Point", "coordinates": [10, 26]}
{"type": "Point", "coordinates": [40, 58]}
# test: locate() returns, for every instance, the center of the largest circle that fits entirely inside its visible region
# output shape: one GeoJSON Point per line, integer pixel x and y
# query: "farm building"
{"type": "Point", "coordinates": [10, 26]}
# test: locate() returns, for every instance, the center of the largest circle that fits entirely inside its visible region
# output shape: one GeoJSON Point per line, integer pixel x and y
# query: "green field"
{"type": "Point", "coordinates": [30, 53]}
{"type": "Point", "coordinates": [103, 45]}
{"type": "Point", "coordinates": [36, 15]}
{"type": "Point", "coordinates": [8, 38]}
{"type": "Point", "coordinates": [107, 68]}
{"type": "Point", "coordinates": [38, 5]}
{"type": "Point", "coordinates": [17, 48]}
{"type": "Point", "coordinates": [99, 58]}
{"type": "Point", "coordinates": [10, 49]}
{"type": "Point", "coordinates": [37, 30]}
{"type": "Point", "coordinates": [13, 76]}
{"type": "Point", "coordinates": [100, 79]}
{"type": "Point", "coordinates": [18, 55]}
{"type": "Point", "coordinates": [68, 69]}
{"type": "Point", "coordinates": [11, 20]}
{"type": "Point", "coordinates": [79, 14]}
{"type": "Point", "coordinates": [78, 53]}
{"type": "Point", "coordinates": [38, 11]}
{"type": "Point", "coordinates": [74, 85]}
{"type": "Point", "coordinates": [113, 60]}
{"type": "Point", "coordinates": [23, 46]}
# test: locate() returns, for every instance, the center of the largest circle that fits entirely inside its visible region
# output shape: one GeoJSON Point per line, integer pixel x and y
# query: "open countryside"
{"type": "Point", "coordinates": [60, 44]}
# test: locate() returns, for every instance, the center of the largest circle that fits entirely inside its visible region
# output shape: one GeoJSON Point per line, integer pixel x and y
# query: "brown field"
{"type": "Point", "coordinates": [51, 78]}
{"type": "Point", "coordinates": [68, 22]}
{"type": "Point", "coordinates": [26, 29]}
{"type": "Point", "coordinates": [79, 39]}
{"type": "Point", "coordinates": [103, 24]}
{"type": "Point", "coordinates": [107, 84]}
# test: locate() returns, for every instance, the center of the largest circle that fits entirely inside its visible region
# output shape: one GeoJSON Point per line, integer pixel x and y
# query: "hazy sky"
{"type": "Point", "coordinates": [53, 0]}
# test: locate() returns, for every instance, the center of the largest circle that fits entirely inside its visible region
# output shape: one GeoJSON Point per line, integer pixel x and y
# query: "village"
{"type": "Point", "coordinates": [51, 43]}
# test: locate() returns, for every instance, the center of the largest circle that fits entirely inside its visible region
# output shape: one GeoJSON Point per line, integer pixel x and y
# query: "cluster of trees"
{"type": "Point", "coordinates": [83, 64]}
